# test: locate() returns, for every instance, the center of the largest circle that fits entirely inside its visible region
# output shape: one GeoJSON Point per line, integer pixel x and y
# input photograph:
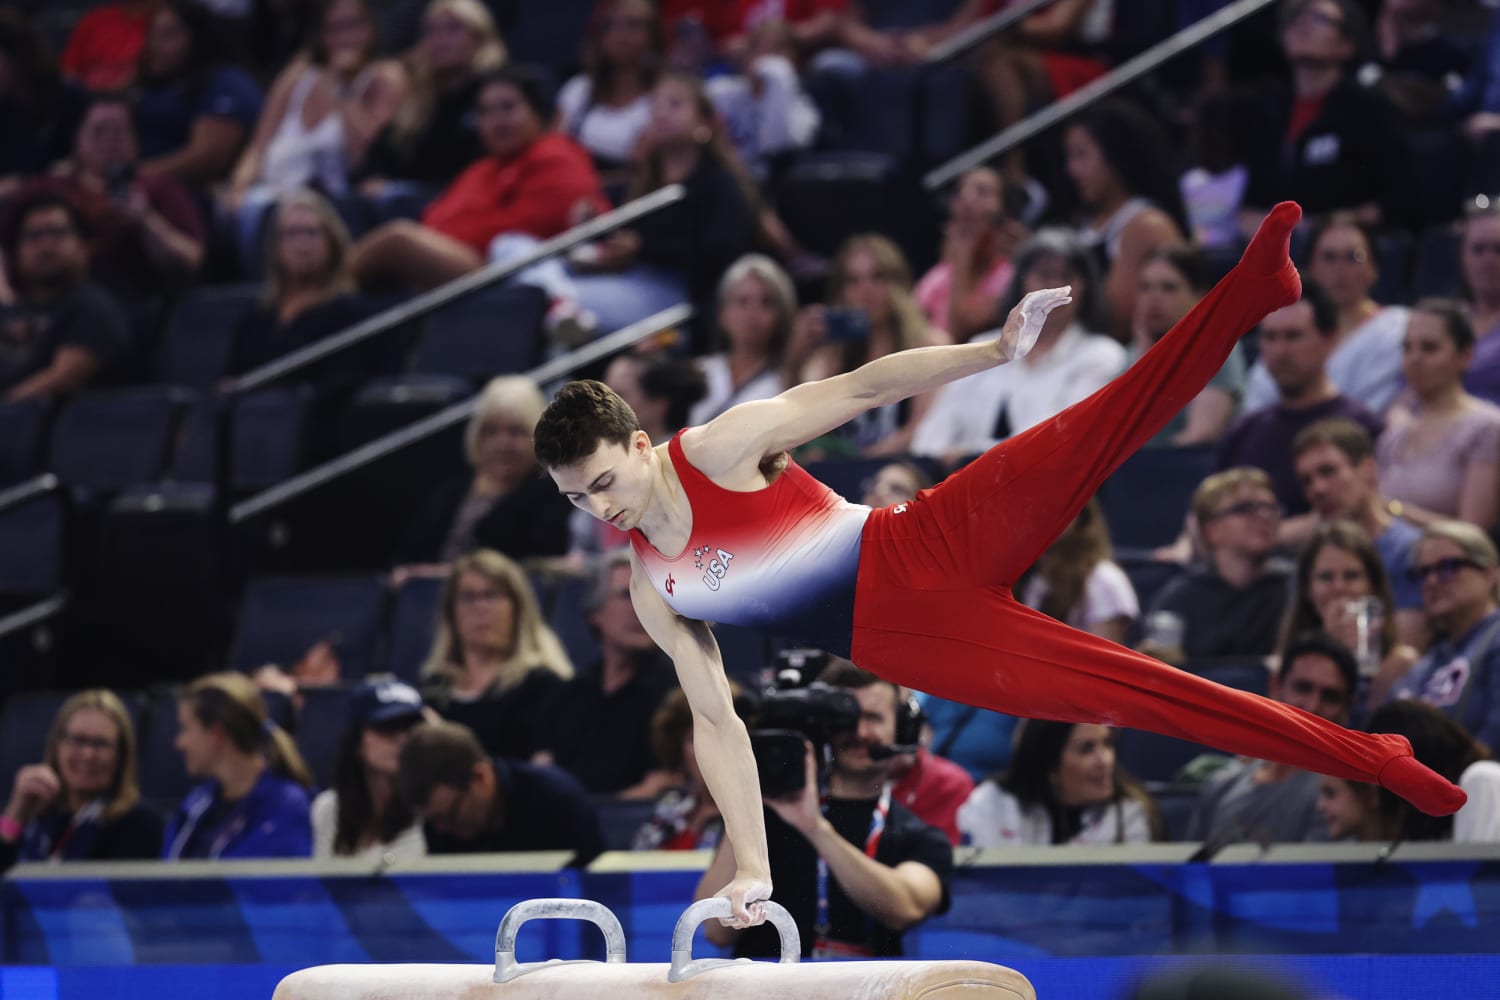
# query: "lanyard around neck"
{"type": "Point", "coordinates": [871, 845]}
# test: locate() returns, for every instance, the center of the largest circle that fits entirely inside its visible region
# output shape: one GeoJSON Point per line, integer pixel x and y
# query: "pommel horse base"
{"type": "Point", "coordinates": [684, 978]}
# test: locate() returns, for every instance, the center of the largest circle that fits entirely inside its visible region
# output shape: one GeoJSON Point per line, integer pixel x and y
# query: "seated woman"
{"type": "Point", "coordinates": [309, 292]}
{"type": "Point", "coordinates": [253, 802]}
{"type": "Point", "coordinates": [870, 313]}
{"type": "Point", "coordinates": [82, 802]}
{"type": "Point", "coordinates": [1130, 197]}
{"type": "Point", "coordinates": [362, 816]}
{"type": "Point", "coordinates": [683, 250]}
{"type": "Point", "coordinates": [495, 665]}
{"type": "Point", "coordinates": [757, 303]}
{"type": "Point", "coordinates": [1449, 749]}
{"type": "Point", "coordinates": [1456, 564]}
{"type": "Point", "coordinates": [1069, 362]}
{"type": "Point", "coordinates": [194, 110]}
{"type": "Point", "coordinates": [1063, 787]}
{"type": "Point", "coordinates": [1439, 456]}
{"type": "Point", "coordinates": [961, 294]}
{"type": "Point", "coordinates": [1078, 582]}
{"type": "Point", "coordinates": [532, 181]}
{"type": "Point", "coordinates": [686, 818]}
{"type": "Point", "coordinates": [433, 137]}
{"type": "Point", "coordinates": [503, 504]}
{"type": "Point", "coordinates": [607, 107]}
{"type": "Point", "coordinates": [1479, 260]}
{"type": "Point", "coordinates": [1339, 565]}
{"type": "Point", "coordinates": [323, 111]}
{"type": "Point", "coordinates": [1366, 362]}
{"type": "Point", "coordinates": [1172, 280]}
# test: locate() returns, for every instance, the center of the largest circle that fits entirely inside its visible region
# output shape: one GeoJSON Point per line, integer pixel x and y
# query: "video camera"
{"type": "Point", "coordinates": [797, 708]}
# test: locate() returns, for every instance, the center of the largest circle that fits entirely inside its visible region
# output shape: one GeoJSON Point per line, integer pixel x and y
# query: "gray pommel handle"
{"type": "Point", "coordinates": [506, 966]}
{"type": "Point", "coordinates": [717, 907]}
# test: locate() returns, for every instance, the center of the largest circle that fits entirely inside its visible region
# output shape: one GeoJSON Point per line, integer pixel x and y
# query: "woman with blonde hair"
{"type": "Point", "coordinates": [870, 313]}
{"type": "Point", "coordinates": [309, 290]}
{"type": "Point", "coordinates": [1458, 569]}
{"type": "Point", "coordinates": [495, 665]}
{"type": "Point", "coordinates": [757, 303]}
{"type": "Point", "coordinates": [1078, 582]}
{"type": "Point", "coordinates": [432, 135]}
{"type": "Point", "coordinates": [502, 504]}
{"type": "Point", "coordinates": [83, 801]}
{"type": "Point", "coordinates": [254, 802]}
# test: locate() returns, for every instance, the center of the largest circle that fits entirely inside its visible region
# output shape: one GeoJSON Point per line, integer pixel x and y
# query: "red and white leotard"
{"type": "Point", "coordinates": [781, 560]}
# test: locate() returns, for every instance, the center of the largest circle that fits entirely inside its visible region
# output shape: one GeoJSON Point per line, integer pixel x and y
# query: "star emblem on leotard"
{"type": "Point", "coordinates": [698, 557]}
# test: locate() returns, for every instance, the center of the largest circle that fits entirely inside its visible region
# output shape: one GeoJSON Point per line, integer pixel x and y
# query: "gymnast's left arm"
{"type": "Point", "coordinates": [768, 426]}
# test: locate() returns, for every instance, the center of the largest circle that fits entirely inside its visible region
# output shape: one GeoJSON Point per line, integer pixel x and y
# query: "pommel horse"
{"type": "Point", "coordinates": [683, 978]}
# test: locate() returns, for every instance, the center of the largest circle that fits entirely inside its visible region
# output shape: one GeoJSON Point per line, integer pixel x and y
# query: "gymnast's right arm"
{"type": "Point", "coordinates": [720, 743]}
{"type": "Point", "coordinates": [750, 431]}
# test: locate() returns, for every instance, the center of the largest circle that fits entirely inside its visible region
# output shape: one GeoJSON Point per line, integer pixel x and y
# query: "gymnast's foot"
{"type": "Point", "coordinates": [1422, 787]}
{"type": "Point", "coordinates": [1269, 251]}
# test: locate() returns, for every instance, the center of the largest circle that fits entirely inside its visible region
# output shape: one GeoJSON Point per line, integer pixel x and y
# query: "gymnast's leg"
{"type": "Point", "coordinates": [982, 647]}
{"type": "Point", "coordinates": [1000, 512]}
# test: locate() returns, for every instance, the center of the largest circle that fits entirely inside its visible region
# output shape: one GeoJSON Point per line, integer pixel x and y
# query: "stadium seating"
{"type": "Point", "coordinates": [320, 728]}
{"type": "Point", "coordinates": [414, 614]}
{"type": "Point", "coordinates": [494, 332]}
{"type": "Point", "coordinates": [31, 538]}
{"type": "Point", "coordinates": [281, 618]}
{"type": "Point", "coordinates": [23, 433]}
{"type": "Point", "coordinates": [104, 442]}
{"type": "Point", "coordinates": [199, 339]}
{"type": "Point", "coordinates": [1146, 500]}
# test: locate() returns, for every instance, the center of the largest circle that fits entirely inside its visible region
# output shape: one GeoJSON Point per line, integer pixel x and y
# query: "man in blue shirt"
{"type": "Point", "coordinates": [1335, 463]}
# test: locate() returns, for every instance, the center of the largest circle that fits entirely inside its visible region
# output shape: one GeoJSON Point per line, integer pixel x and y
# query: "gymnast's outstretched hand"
{"type": "Point", "coordinates": [746, 895]}
{"type": "Point", "coordinates": [1024, 324]}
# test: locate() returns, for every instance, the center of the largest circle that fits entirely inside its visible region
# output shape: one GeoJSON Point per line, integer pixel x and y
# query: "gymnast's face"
{"type": "Point", "coordinates": [613, 484]}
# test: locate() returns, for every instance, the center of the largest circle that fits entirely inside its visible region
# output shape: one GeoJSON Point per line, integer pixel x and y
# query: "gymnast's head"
{"type": "Point", "coordinates": [591, 443]}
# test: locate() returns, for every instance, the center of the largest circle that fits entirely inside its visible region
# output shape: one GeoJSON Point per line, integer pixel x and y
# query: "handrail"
{"type": "Point", "coordinates": [440, 296]}
{"type": "Point", "coordinates": [982, 31]}
{"type": "Point", "coordinates": [30, 615]}
{"type": "Point", "coordinates": [1116, 78]}
{"type": "Point", "coordinates": [28, 490]}
{"type": "Point", "coordinates": [457, 413]}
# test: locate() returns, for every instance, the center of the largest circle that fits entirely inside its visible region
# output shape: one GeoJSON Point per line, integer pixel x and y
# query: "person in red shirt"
{"type": "Point", "coordinates": [533, 181]}
{"type": "Point", "coordinates": [932, 787]}
{"type": "Point", "coordinates": [106, 43]}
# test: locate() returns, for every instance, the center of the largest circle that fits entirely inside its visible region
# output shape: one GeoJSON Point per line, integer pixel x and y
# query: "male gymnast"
{"type": "Point", "coordinates": [725, 528]}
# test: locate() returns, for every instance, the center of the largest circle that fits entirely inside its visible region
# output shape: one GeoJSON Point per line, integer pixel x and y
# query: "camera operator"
{"type": "Point", "coordinates": [853, 867]}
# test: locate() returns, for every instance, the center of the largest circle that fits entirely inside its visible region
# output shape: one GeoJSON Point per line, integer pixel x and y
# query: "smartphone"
{"type": "Point", "coordinates": [118, 184]}
{"type": "Point", "coordinates": [847, 325]}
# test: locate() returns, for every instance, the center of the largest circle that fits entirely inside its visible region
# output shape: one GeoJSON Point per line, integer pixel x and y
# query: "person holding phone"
{"type": "Point", "coordinates": [870, 314]}
{"type": "Point", "coordinates": [146, 234]}
{"type": "Point", "coordinates": [725, 527]}
{"type": "Point", "coordinates": [857, 867]}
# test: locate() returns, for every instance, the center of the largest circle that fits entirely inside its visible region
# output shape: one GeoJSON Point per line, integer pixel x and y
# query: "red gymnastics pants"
{"type": "Point", "coordinates": [933, 604]}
